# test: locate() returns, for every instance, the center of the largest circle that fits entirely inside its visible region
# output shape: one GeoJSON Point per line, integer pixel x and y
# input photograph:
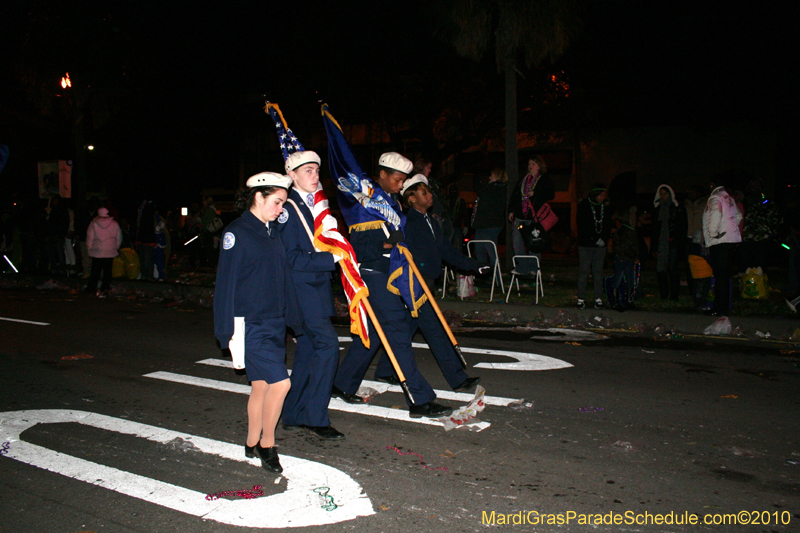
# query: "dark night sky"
{"type": "Point", "coordinates": [187, 80]}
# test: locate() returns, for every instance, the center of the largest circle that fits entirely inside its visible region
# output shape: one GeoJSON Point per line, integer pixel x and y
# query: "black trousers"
{"type": "Point", "coordinates": [720, 260]}
{"type": "Point", "coordinates": [100, 264]}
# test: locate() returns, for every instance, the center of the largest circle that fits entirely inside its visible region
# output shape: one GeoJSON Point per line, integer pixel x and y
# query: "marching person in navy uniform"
{"type": "Point", "coordinates": [372, 245]}
{"type": "Point", "coordinates": [426, 243]}
{"type": "Point", "coordinates": [254, 300]}
{"type": "Point", "coordinates": [316, 356]}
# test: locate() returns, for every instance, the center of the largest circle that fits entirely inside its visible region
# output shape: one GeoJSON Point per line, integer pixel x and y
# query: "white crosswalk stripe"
{"type": "Point", "coordinates": [335, 403]}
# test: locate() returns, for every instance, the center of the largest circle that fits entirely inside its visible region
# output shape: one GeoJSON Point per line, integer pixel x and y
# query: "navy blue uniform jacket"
{"type": "Point", "coordinates": [253, 278]}
{"type": "Point", "coordinates": [430, 249]}
{"type": "Point", "coordinates": [311, 270]}
{"type": "Point", "coordinates": [368, 245]}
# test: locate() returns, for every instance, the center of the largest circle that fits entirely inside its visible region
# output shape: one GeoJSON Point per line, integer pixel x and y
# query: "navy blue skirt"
{"type": "Point", "coordinates": [265, 349]}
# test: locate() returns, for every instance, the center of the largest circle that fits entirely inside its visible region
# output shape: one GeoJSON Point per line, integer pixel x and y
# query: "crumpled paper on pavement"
{"type": "Point", "coordinates": [467, 414]}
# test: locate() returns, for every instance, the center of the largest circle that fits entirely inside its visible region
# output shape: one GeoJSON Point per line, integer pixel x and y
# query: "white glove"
{"type": "Point", "coordinates": [483, 270]}
{"type": "Point", "coordinates": [236, 344]}
{"type": "Point", "coordinates": [600, 242]}
{"type": "Point", "coordinates": [336, 258]}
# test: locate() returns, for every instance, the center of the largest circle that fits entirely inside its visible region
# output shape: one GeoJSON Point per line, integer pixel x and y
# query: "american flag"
{"type": "Point", "coordinates": [327, 237]}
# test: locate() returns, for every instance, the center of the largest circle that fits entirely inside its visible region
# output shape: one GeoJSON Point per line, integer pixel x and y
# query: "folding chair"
{"type": "Point", "coordinates": [515, 277]}
{"type": "Point", "coordinates": [497, 274]}
{"type": "Point", "coordinates": [444, 280]}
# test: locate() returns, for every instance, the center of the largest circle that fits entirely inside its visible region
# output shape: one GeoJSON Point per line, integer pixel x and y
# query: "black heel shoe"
{"type": "Point", "coordinates": [249, 451]}
{"type": "Point", "coordinates": [269, 459]}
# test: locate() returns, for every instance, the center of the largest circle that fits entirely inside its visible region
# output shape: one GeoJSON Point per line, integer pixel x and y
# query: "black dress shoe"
{"type": "Point", "coordinates": [391, 380]}
{"type": "Point", "coordinates": [346, 396]}
{"type": "Point", "coordinates": [468, 385]}
{"type": "Point", "coordinates": [429, 410]}
{"type": "Point", "coordinates": [249, 451]}
{"type": "Point", "coordinates": [269, 459]}
{"type": "Point", "coordinates": [326, 432]}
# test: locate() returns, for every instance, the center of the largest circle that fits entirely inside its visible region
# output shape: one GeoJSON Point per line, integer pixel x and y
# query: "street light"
{"type": "Point", "coordinates": [65, 81]}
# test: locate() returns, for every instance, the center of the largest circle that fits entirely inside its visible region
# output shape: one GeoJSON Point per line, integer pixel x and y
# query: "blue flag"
{"type": "Point", "coordinates": [365, 206]}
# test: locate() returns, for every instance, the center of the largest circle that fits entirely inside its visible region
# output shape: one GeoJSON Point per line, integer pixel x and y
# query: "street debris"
{"type": "Point", "coordinates": [421, 461]}
{"type": "Point", "coordinates": [247, 494]}
{"type": "Point", "coordinates": [327, 501]}
{"type": "Point", "coordinates": [466, 415]}
{"type": "Point", "coordinates": [721, 326]}
{"type": "Point", "coordinates": [77, 357]}
{"type": "Point", "coordinates": [183, 445]}
{"type": "Point", "coordinates": [744, 452]}
{"type": "Point", "coordinates": [368, 393]}
{"type": "Point", "coordinates": [51, 285]}
{"type": "Point", "coordinates": [729, 396]}
{"type": "Point", "coordinates": [590, 409]}
{"type": "Point", "coordinates": [625, 446]}
{"type": "Point", "coordinates": [521, 405]}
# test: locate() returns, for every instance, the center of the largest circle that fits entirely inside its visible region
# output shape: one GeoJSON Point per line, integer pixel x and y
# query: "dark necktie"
{"type": "Point", "coordinates": [428, 220]}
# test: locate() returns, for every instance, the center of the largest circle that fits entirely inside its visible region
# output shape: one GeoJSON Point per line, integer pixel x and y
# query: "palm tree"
{"type": "Point", "coordinates": [527, 30]}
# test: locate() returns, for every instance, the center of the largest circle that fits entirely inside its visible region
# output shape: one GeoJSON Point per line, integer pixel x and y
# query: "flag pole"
{"type": "Point", "coordinates": [389, 352]}
{"type": "Point", "coordinates": [438, 311]}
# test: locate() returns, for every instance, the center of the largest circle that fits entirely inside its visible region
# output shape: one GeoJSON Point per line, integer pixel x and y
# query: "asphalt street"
{"type": "Point", "coordinates": [121, 415]}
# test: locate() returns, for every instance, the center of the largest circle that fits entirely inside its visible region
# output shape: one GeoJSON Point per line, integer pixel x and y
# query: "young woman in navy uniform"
{"type": "Point", "coordinates": [372, 249]}
{"type": "Point", "coordinates": [254, 293]}
{"type": "Point", "coordinates": [425, 241]}
{"type": "Point", "coordinates": [317, 353]}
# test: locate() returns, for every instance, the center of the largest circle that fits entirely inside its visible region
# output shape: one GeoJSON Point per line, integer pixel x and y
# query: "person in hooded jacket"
{"type": "Point", "coordinates": [103, 239]}
{"type": "Point", "coordinates": [722, 234]}
{"type": "Point", "coordinates": [669, 240]}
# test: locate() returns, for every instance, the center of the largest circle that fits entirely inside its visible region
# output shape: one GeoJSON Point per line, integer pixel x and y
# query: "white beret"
{"type": "Point", "coordinates": [413, 180]}
{"type": "Point", "coordinates": [298, 159]}
{"type": "Point", "coordinates": [396, 161]}
{"type": "Point", "coordinates": [269, 179]}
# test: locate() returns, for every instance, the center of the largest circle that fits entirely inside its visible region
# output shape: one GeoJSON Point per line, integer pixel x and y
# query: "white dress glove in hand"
{"type": "Point", "coordinates": [484, 270]}
{"type": "Point", "coordinates": [600, 243]}
{"type": "Point", "coordinates": [336, 258]}
{"type": "Point", "coordinates": [236, 344]}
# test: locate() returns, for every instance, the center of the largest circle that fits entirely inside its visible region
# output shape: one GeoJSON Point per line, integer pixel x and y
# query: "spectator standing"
{"type": "Point", "coordinates": [594, 228]}
{"type": "Point", "coordinates": [439, 212]}
{"type": "Point", "coordinates": [528, 196]}
{"type": "Point", "coordinates": [669, 230]}
{"type": "Point", "coordinates": [160, 254]}
{"type": "Point", "coordinates": [626, 256]}
{"type": "Point", "coordinates": [103, 239]}
{"type": "Point", "coordinates": [83, 217]}
{"type": "Point", "coordinates": [721, 220]}
{"type": "Point", "coordinates": [146, 239]}
{"type": "Point", "coordinates": [57, 228]}
{"type": "Point", "coordinates": [489, 216]}
{"type": "Point", "coordinates": [211, 227]}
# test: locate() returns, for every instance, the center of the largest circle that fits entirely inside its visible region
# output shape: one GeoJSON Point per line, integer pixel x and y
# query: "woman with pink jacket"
{"type": "Point", "coordinates": [103, 239]}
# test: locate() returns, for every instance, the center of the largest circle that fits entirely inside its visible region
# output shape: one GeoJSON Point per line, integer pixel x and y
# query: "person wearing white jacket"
{"type": "Point", "coordinates": [721, 220]}
{"type": "Point", "coordinates": [103, 239]}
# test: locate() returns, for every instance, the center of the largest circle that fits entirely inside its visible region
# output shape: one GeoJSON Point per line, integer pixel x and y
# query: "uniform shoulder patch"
{"type": "Point", "coordinates": [284, 216]}
{"type": "Point", "coordinates": [228, 240]}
